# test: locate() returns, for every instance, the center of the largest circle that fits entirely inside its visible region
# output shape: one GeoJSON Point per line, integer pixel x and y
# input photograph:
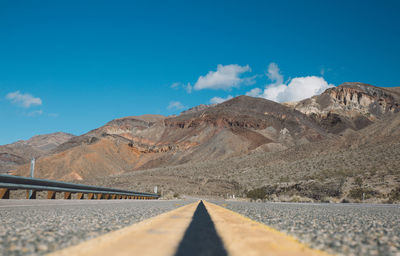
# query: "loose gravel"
{"type": "Point", "coordinates": [342, 229]}
{"type": "Point", "coordinates": [36, 227]}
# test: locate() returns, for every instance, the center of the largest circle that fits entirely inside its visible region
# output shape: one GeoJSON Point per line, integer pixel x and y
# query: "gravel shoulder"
{"type": "Point", "coordinates": [36, 227]}
{"type": "Point", "coordinates": [342, 229]}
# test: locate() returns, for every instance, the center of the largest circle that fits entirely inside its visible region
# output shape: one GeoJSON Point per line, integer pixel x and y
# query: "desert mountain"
{"type": "Point", "coordinates": [339, 145]}
{"type": "Point", "coordinates": [350, 105]}
{"type": "Point", "coordinates": [197, 108]}
{"type": "Point", "coordinates": [22, 151]}
{"type": "Point", "coordinates": [345, 168]}
{"type": "Point", "coordinates": [232, 128]}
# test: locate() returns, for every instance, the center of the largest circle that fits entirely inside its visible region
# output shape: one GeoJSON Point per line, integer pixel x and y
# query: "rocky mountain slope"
{"type": "Point", "coordinates": [336, 169]}
{"type": "Point", "coordinates": [334, 146]}
{"type": "Point", "coordinates": [232, 128]}
{"type": "Point", "coordinates": [197, 108]}
{"type": "Point", "coordinates": [21, 152]}
{"type": "Point", "coordinates": [350, 105]}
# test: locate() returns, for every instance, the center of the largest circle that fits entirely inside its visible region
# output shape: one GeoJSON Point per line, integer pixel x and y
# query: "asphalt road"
{"type": "Point", "coordinates": [344, 229]}
{"type": "Point", "coordinates": [35, 227]}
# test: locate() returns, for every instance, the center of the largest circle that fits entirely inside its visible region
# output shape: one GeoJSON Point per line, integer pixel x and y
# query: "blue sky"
{"type": "Point", "coordinates": [74, 65]}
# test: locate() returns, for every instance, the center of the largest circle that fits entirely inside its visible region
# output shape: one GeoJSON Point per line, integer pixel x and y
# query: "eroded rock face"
{"type": "Point", "coordinates": [232, 128]}
{"type": "Point", "coordinates": [350, 105]}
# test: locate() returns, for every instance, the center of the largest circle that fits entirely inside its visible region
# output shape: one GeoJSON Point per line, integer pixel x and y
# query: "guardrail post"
{"type": "Point", "coordinates": [51, 194]}
{"type": "Point", "coordinates": [4, 193]}
{"type": "Point", "coordinates": [33, 186]}
{"type": "Point", "coordinates": [32, 174]}
{"type": "Point", "coordinates": [67, 195]}
{"type": "Point", "coordinates": [31, 194]}
{"type": "Point", "coordinates": [80, 196]}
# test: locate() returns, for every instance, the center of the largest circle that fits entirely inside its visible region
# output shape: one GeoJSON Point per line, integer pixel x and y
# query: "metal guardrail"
{"type": "Point", "coordinates": [33, 185]}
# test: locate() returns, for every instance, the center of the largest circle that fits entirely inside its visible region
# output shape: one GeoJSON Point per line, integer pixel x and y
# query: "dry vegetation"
{"type": "Point", "coordinates": [340, 146]}
{"type": "Point", "coordinates": [331, 170]}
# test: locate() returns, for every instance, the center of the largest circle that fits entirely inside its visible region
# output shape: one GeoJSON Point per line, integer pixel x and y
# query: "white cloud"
{"type": "Point", "coordinates": [217, 100]}
{"type": "Point", "coordinates": [295, 89]}
{"type": "Point", "coordinates": [274, 74]}
{"type": "Point", "coordinates": [35, 113]}
{"type": "Point", "coordinates": [175, 105]}
{"type": "Point", "coordinates": [226, 77]}
{"type": "Point", "coordinates": [299, 88]}
{"type": "Point", "coordinates": [256, 92]}
{"type": "Point", "coordinates": [176, 85]}
{"type": "Point", "coordinates": [25, 100]}
{"type": "Point", "coordinates": [189, 88]}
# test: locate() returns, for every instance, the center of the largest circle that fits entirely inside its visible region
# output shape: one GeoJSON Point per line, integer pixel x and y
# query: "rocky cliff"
{"type": "Point", "coordinates": [350, 105]}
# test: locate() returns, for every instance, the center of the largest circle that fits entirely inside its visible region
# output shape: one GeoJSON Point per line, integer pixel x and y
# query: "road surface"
{"type": "Point", "coordinates": [344, 229]}
{"type": "Point", "coordinates": [35, 227]}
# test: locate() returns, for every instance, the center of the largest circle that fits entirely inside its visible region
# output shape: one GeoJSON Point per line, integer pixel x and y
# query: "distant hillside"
{"type": "Point", "coordinates": [22, 151]}
{"type": "Point", "coordinates": [364, 162]}
{"type": "Point", "coordinates": [336, 146]}
{"type": "Point", "coordinates": [232, 128]}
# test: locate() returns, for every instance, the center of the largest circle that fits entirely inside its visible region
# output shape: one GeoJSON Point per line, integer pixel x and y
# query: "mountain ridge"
{"type": "Point", "coordinates": [270, 138]}
{"type": "Point", "coordinates": [20, 152]}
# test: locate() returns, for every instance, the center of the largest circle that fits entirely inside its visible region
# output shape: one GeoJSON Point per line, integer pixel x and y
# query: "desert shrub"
{"type": "Point", "coordinates": [318, 191]}
{"type": "Point", "coordinates": [357, 193]}
{"type": "Point", "coordinates": [394, 195]}
{"type": "Point", "coordinates": [372, 172]}
{"type": "Point", "coordinates": [284, 179]}
{"type": "Point", "coordinates": [358, 181]}
{"type": "Point", "coordinates": [258, 193]}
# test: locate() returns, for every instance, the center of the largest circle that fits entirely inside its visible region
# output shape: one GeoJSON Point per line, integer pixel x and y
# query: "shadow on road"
{"type": "Point", "coordinates": [201, 238]}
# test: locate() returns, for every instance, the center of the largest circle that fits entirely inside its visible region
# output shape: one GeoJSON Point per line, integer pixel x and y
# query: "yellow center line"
{"type": "Point", "coordinates": [159, 235]}
{"type": "Point", "coordinates": [243, 236]}
{"type": "Point", "coordinates": [162, 235]}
